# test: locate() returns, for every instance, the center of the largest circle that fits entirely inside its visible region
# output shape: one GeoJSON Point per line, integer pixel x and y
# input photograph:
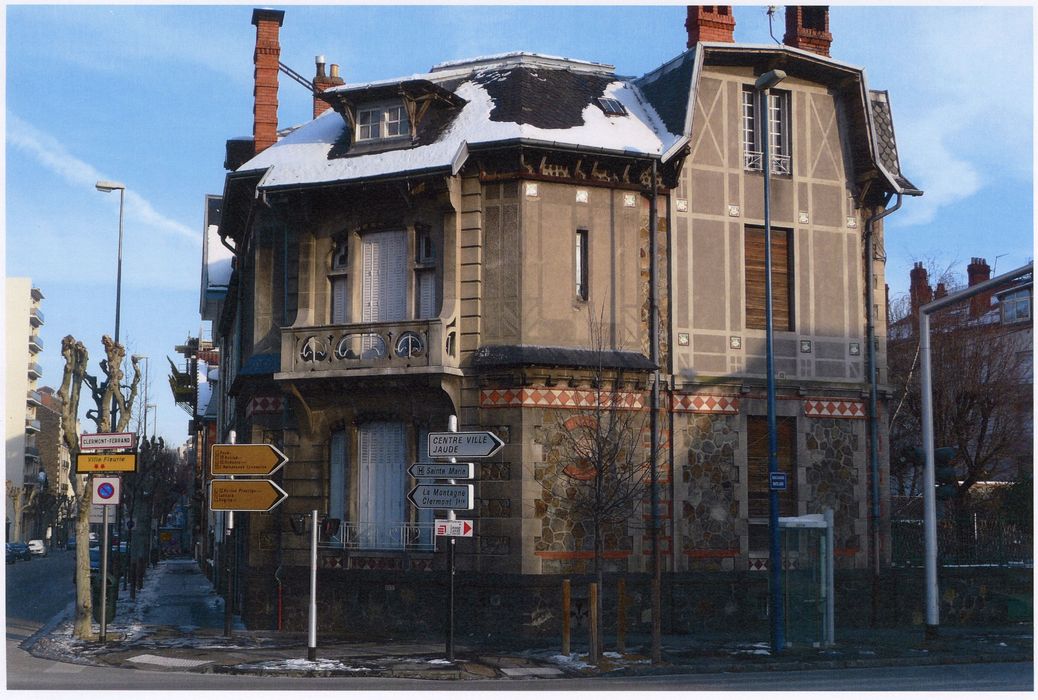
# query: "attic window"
{"type": "Point", "coordinates": [382, 122]}
{"type": "Point", "coordinates": [611, 107]}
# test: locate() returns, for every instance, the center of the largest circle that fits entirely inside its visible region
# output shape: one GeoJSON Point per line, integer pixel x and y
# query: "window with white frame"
{"type": "Point", "coordinates": [580, 266]}
{"type": "Point", "coordinates": [1016, 306]}
{"type": "Point", "coordinates": [778, 131]}
{"type": "Point", "coordinates": [382, 122]}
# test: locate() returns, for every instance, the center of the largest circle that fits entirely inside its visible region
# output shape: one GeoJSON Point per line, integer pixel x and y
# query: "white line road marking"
{"type": "Point", "coordinates": [166, 661]}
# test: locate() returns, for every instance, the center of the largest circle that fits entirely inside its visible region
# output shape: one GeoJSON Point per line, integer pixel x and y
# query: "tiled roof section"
{"type": "Point", "coordinates": [885, 141]}
{"type": "Point", "coordinates": [667, 91]}
{"type": "Point", "coordinates": [542, 97]}
{"type": "Point", "coordinates": [543, 356]}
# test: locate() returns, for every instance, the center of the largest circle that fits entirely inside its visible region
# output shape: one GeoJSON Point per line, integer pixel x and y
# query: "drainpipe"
{"type": "Point", "coordinates": [870, 343]}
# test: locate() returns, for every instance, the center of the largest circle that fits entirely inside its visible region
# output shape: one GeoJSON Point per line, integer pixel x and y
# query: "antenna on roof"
{"type": "Point", "coordinates": [995, 265]}
{"type": "Point", "coordinates": [772, 9]}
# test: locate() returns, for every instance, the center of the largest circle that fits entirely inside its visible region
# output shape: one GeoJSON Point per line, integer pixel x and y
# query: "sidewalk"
{"type": "Point", "coordinates": [176, 623]}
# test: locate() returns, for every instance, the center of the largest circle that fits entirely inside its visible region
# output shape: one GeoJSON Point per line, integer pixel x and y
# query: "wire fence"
{"type": "Point", "coordinates": [975, 540]}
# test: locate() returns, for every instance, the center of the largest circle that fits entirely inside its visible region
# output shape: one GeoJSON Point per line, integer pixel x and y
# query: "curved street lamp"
{"type": "Point", "coordinates": [109, 186]}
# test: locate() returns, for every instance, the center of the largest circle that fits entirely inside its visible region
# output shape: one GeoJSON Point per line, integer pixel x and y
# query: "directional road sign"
{"type": "Point", "coordinates": [476, 445]}
{"type": "Point", "coordinates": [107, 441]}
{"type": "Point", "coordinates": [453, 528]}
{"type": "Point", "coordinates": [441, 470]}
{"type": "Point", "coordinates": [245, 494]}
{"type": "Point", "coordinates": [90, 463]}
{"type": "Point", "coordinates": [246, 460]}
{"type": "Point", "coordinates": [443, 496]}
{"type": "Point", "coordinates": [105, 490]}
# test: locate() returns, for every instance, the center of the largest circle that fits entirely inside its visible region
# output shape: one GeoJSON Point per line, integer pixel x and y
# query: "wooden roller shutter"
{"type": "Point", "coordinates": [781, 278]}
{"type": "Point", "coordinates": [757, 462]}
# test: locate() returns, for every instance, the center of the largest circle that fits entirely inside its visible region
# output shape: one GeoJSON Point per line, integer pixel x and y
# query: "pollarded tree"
{"type": "Point", "coordinates": [105, 394]}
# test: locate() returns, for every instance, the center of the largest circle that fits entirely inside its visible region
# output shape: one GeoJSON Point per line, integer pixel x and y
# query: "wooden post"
{"type": "Point", "coordinates": [593, 643]}
{"type": "Point", "coordinates": [565, 617]}
{"type": "Point", "coordinates": [621, 615]}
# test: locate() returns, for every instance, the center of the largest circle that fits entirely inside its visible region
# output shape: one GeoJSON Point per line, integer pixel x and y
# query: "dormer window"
{"type": "Point", "coordinates": [385, 121]}
{"type": "Point", "coordinates": [611, 107]}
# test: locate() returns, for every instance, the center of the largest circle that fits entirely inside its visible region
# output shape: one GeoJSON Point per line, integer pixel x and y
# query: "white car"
{"type": "Point", "coordinates": [38, 548]}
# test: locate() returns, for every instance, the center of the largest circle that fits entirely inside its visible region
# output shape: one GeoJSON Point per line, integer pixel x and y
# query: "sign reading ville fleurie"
{"type": "Point", "coordinates": [476, 444]}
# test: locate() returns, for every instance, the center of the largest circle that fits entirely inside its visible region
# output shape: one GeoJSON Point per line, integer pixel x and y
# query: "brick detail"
{"type": "Point", "coordinates": [543, 397]}
{"type": "Point", "coordinates": [699, 403]}
{"type": "Point", "coordinates": [582, 555]}
{"type": "Point", "coordinates": [265, 92]}
{"type": "Point", "coordinates": [834, 408]}
{"type": "Point", "coordinates": [710, 23]}
{"type": "Point", "coordinates": [807, 28]}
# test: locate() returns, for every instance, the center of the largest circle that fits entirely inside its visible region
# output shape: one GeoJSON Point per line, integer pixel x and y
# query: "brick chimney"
{"type": "Point", "coordinates": [265, 92]}
{"type": "Point", "coordinates": [710, 23]}
{"type": "Point", "coordinates": [920, 291]}
{"type": "Point", "coordinates": [807, 27]}
{"type": "Point", "coordinates": [322, 82]}
{"type": "Point", "coordinates": [978, 271]}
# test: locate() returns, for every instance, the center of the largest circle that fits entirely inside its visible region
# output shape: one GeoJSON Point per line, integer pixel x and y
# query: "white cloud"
{"type": "Point", "coordinates": [52, 154]}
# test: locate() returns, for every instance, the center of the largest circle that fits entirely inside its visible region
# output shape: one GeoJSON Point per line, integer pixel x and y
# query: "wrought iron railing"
{"type": "Point", "coordinates": [780, 164]}
{"type": "Point", "coordinates": [976, 541]}
{"type": "Point", "coordinates": [417, 537]}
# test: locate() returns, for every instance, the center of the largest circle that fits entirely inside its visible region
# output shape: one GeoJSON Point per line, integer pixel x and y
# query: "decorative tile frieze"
{"type": "Point", "coordinates": [264, 405]}
{"type": "Point", "coordinates": [834, 408]}
{"type": "Point", "coordinates": [704, 403]}
{"type": "Point", "coordinates": [543, 397]}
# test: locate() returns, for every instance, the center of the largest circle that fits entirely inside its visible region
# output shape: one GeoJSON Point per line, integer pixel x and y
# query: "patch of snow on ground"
{"type": "Point", "coordinates": [303, 665]}
{"type": "Point", "coordinates": [574, 661]}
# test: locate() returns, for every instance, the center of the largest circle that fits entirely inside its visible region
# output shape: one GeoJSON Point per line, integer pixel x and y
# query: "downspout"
{"type": "Point", "coordinates": [870, 342]}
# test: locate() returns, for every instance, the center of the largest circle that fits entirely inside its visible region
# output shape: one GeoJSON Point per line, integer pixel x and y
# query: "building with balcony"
{"type": "Point", "coordinates": [23, 371]}
{"type": "Point", "coordinates": [480, 241]}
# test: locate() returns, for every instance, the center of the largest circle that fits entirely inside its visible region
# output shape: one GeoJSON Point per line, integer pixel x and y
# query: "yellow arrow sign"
{"type": "Point", "coordinates": [244, 494]}
{"type": "Point", "coordinates": [90, 463]}
{"type": "Point", "coordinates": [246, 460]}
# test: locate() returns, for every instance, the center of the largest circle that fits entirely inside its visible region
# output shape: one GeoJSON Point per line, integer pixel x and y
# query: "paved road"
{"type": "Point", "coordinates": [36, 591]}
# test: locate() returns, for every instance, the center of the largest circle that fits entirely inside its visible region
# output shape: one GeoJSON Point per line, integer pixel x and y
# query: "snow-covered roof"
{"type": "Point", "coordinates": [507, 97]}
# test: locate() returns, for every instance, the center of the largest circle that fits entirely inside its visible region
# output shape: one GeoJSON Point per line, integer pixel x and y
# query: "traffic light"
{"type": "Point", "coordinates": [944, 473]}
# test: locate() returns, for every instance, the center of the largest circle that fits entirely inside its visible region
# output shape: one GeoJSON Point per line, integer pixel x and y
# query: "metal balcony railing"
{"type": "Point", "coordinates": [35, 371]}
{"type": "Point", "coordinates": [780, 164]}
{"type": "Point", "coordinates": [415, 537]}
{"type": "Point", "coordinates": [384, 345]}
{"type": "Point", "coordinates": [33, 398]}
{"type": "Point", "coordinates": [35, 344]}
{"type": "Point", "coordinates": [36, 317]}
{"type": "Point", "coordinates": [32, 426]}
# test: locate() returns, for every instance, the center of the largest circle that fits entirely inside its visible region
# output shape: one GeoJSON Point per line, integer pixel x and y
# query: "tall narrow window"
{"type": "Point", "coordinates": [781, 278]}
{"type": "Point", "coordinates": [339, 281]}
{"type": "Point", "coordinates": [338, 479]}
{"type": "Point", "coordinates": [778, 131]}
{"type": "Point", "coordinates": [381, 474]}
{"type": "Point", "coordinates": [581, 265]}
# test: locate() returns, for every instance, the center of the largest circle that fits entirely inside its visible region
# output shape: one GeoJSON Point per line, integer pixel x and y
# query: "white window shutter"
{"type": "Point", "coordinates": [340, 300]}
{"type": "Point", "coordinates": [426, 280]}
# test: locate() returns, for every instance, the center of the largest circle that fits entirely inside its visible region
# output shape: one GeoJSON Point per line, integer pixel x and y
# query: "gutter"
{"type": "Point", "coordinates": [870, 343]}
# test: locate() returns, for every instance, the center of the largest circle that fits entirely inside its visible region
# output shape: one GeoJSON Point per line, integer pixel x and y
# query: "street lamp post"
{"type": "Point", "coordinates": [763, 84]}
{"type": "Point", "coordinates": [109, 186]}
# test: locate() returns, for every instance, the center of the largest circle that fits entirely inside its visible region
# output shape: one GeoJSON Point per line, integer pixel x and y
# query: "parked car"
{"type": "Point", "coordinates": [10, 554]}
{"type": "Point", "coordinates": [21, 550]}
{"type": "Point", "coordinates": [38, 548]}
{"type": "Point", "coordinates": [71, 544]}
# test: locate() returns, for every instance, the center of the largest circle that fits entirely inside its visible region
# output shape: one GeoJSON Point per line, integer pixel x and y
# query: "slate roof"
{"type": "Point", "coordinates": [886, 144]}
{"type": "Point", "coordinates": [489, 356]}
{"type": "Point", "coordinates": [667, 90]}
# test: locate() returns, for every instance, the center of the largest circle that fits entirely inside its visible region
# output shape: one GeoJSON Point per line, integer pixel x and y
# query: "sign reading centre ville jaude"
{"type": "Point", "coordinates": [476, 444]}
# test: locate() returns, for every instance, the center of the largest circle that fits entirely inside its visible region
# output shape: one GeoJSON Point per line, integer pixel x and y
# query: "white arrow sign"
{"type": "Point", "coordinates": [476, 445]}
{"type": "Point", "coordinates": [440, 470]}
{"type": "Point", "coordinates": [442, 496]}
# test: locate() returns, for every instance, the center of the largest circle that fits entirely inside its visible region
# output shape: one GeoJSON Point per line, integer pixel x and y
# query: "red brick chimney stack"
{"type": "Point", "coordinates": [265, 93]}
{"type": "Point", "coordinates": [807, 27]}
{"type": "Point", "coordinates": [321, 83]}
{"type": "Point", "coordinates": [920, 291]}
{"type": "Point", "coordinates": [978, 271]}
{"type": "Point", "coordinates": [710, 23]}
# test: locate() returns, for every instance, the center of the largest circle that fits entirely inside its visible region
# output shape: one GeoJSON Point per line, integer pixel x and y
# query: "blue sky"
{"type": "Point", "coordinates": [147, 95]}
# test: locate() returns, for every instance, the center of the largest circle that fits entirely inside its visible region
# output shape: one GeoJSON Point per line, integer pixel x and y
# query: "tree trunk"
{"type": "Point", "coordinates": [83, 629]}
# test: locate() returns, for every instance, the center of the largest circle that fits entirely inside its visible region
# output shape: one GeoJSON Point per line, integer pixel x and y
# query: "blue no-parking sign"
{"type": "Point", "coordinates": [105, 491]}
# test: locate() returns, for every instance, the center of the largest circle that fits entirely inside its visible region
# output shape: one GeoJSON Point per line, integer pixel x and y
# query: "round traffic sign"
{"type": "Point", "coordinates": [105, 490]}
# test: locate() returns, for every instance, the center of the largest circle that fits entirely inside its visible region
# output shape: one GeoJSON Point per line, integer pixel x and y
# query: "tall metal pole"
{"type": "Point", "coordinates": [104, 575]}
{"type": "Point", "coordinates": [311, 644]}
{"type": "Point", "coordinates": [452, 426]}
{"type": "Point", "coordinates": [228, 605]}
{"type": "Point", "coordinates": [778, 642]}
